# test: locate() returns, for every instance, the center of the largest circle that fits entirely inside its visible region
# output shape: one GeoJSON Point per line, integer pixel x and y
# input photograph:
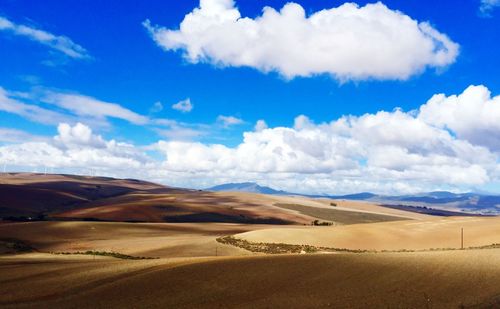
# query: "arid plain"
{"type": "Point", "coordinates": [73, 242]}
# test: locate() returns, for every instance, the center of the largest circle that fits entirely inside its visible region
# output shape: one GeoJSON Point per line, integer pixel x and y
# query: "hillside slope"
{"type": "Point", "coordinates": [29, 197]}
{"type": "Point", "coordinates": [398, 235]}
{"type": "Point", "coordinates": [452, 279]}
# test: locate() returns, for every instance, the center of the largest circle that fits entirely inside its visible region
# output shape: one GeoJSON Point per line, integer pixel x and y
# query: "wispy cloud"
{"type": "Point", "coordinates": [227, 121]}
{"type": "Point", "coordinates": [181, 133]}
{"type": "Point", "coordinates": [10, 104]}
{"type": "Point", "coordinates": [184, 106]}
{"type": "Point", "coordinates": [87, 106]}
{"type": "Point", "coordinates": [156, 108]}
{"type": "Point", "coordinates": [487, 6]}
{"type": "Point", "coordinates": [175, 130]}
{"type": "Point", "coordinates": [52, 107]}
{"type": "Point", "coordinates": [10, 135]}
{"type": "Point", "coordinates": [59, 43]}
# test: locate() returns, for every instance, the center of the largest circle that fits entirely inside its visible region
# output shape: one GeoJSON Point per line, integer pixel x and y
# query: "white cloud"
{"type": "Point", "coordinates": [70, 108]}
{"type": "Point", "coordinates": [60, 43]}
{"type": "Point", "coordinates": [487, 6]}
{"type": "Point", "coordinates": [228, 121]}
{"type": "Point", "coordinates": [75, 147]}
{"type": "Point", "coordinates": [86, 106]}
{"type": "Point", "coordinates": [438, 146]}
{"type": "Point", "coordinates": [473, 115]}
{"type": "Point", "coordinates": [180, 133]}
{"type": "Point", "coordinates": [73, 108]}
{"type": "Point", "coordinates": [78, 135]}
{"type": "Point", "coordinates": [386, 152]}
{"type": "Point", "coordinates": [184, 106]}
{"type": "Point", "coordinates": [260, 125]}
{"type": "Point", "coordinates": [18, 136]}
{"type": "Point", "coordinates": [348, 42]}
{"type": "Point", "coordinates": [9, 104]}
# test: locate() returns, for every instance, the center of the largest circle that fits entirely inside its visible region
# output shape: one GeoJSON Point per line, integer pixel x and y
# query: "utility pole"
{"type": "Point", "coordinates": [462, 239]}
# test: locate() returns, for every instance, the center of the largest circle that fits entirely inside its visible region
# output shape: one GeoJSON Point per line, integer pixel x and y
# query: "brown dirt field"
{"type": "Point", "coordinates": [31, 195]}
{"type": "Point", "coordinates": [24, 195]}
{"type": "Point", "coordinates": [398, 235]}
{"type": "Point", "coordinates": [185, 206]}
{"type": "Point", "coordinates": [137, 239]}
{"type": "Point", "coordinates": [450, 279]}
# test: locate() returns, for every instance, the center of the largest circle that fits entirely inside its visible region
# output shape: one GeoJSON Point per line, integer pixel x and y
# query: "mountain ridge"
{"type": "Point", "coordinates": [466, 202]}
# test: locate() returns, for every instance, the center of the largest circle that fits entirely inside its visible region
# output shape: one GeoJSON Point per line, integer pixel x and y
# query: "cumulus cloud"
{"type": "Point", "coordinates": [473, 115]}
{"type": "Point", "coordinates": [78, 135]}
{"type": "Point", "coordinates": [75, 147]}
{"type": "Point", "coordinates": [441, 145]}
{"type": "Point", "coordinates": [59, 43]}
{"type": "Point", "coordinates": [184, 106]}
{"type": "Point", "coordinates": [348, 42]}
{"type": "Point", "coordinates": [227, 121]}
{"type": "Point", "coordinates": [393, 151]}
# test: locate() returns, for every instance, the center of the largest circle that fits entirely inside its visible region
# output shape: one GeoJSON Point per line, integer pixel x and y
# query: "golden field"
{"type": "Point", "coordinates": [168, 256]}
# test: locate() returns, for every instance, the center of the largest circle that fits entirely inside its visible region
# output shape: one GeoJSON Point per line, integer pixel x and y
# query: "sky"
{"type": "Point", "coordinates": [322, 97]}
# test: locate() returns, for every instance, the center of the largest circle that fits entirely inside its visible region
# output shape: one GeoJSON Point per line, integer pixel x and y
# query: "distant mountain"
{"type": "Point", "coordinates": [251, 187]}
{"type": "Point", "coordinates": [466, 202]}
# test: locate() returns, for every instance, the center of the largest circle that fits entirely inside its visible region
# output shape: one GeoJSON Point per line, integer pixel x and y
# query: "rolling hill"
{"type": "Point", "coordinates": [32, 197]}
{"type": "Point", "coordinates": [161, 247]}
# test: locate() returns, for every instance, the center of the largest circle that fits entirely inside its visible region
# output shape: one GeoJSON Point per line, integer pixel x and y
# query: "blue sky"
{"type": "Point", "coordinates": [120, 61]}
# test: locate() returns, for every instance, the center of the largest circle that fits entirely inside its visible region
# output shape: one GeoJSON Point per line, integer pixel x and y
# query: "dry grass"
{"type": "Point", "coordinates": [339, 216]}
{"type": "Point", "coordinates": [279, 248]}
{"type": "Point", "coordinates": [135, 239]}
{"type": "Point", "coordinates": [116, 255]}
{"type": "Point", "coordinates": [391, 236]}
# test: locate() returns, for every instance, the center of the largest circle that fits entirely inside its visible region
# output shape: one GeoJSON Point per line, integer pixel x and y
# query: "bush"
{"type": "Point", "coordinates": [321, 223]}
{"type": "Point", "coordinates": [106, 253]}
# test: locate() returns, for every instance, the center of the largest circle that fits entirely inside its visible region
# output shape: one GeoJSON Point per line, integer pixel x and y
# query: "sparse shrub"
{"type": "Point", "coordinates": [110, 254]}
{"type": "Point", "coordinates": [321, 223]}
